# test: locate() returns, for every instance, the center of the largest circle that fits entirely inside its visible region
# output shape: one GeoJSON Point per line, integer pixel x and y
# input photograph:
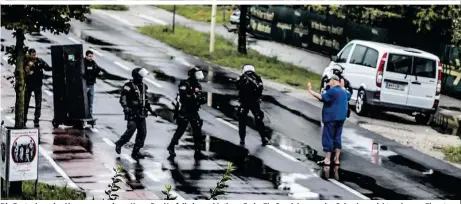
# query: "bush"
{"type": "Point", "coordinates": [452, 154]}
{"type": "Point", "coordinates": [110, 7]}
{"type": "Point", "coordinates": [47, 192]}
{"type": "Point", "coordinates": [200, 12]}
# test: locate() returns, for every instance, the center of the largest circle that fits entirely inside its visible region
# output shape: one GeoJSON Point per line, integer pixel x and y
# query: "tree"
{"type": "Point", "coordinates": [24, 19]}
{"type": "Point", "coordinates": [242, 32]}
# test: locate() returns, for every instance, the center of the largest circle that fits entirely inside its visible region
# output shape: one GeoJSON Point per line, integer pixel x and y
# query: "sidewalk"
{"type": "Point", "coordinates": [72, 154]}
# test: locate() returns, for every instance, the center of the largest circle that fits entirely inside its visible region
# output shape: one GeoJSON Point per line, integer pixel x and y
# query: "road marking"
{"type": "Point", "coordinates": [49, 93]}
{"type": "Point", "coordinates": [158, 21]}
{"type": "Point", "coordinates": [131, 160]}
{"type": "Point", "coordinates": [57, 168]}
{"type": "Point", "coordinates": [107, 141]}
{"type": "Point", "coordinates": [5, 58]}
{"type": "Point", "coordinates": [282, 153]}
{"type": "Point", "coordinates": [97, 52]}
{"type": "Point", "coordinates": [94, 130]}
{"type": "Point", "coordinates": [152, 177]}
{"type": "Point", "coordinates": [118, 18]}
{"type": "Point", "coordinates": [347, 188]}
{"type": "Point", "coordinates": [184, 62]}
{"type": "Point", "coordinates": [122, 66]}
{"type": "Point", "coordinates": [153, 82]}
{"type": "Point", "coordinates": [228, 123]}
{"type": "Point", "coordinates": [74, 40]}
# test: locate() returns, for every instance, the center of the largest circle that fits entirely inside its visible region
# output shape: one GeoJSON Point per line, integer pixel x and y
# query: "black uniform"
{"type": "Point", "coordinates": [188, 102]}
{"type": "Point", "coordinates": [136, 107]}
{"type": "Point", "coordinates": [34, 82]}
{"type": "Point", "coordinates": [250, 88]}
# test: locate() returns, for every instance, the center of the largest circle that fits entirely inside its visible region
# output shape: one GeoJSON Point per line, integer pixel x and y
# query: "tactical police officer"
{"type": "Point", "coordinates": [34, 67]}
{"type": "Point", "coordinates": [188, 102]}
{"type": "Point", "coordinates": [250, 88]}
{"type": "Point", "coordinates": [135, 107]}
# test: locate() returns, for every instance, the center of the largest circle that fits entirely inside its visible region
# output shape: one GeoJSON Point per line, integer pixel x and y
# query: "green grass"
{"type": "Point", "coordinates": [452, 153]}
{"type": "Point", "coordinates": [200, 13]}
{"type": "Point", "coordinates": [225, 54]}
{"type": "Point", "coordinates": [47, 192]}
{"type": "Point", "coordinates": [110, 7]}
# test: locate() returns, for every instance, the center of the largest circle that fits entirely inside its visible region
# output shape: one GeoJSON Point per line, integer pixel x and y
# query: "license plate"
{"type": "Point", "coordinates": [399, 87]}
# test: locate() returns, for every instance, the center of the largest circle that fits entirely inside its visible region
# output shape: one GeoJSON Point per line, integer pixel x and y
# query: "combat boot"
{"type": "Point", "coordinates": [118, 148]}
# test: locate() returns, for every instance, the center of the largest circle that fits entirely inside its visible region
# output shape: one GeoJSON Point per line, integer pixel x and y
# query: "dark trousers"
{"type": "Point", "coordinates": [38, 101]}
{"type": "Point", "coordinates": [196, 125]}
{"type": "Point", "coordinates": [258, 116]}
{"type": "Point", "coordinates": [331, 135]}
{"type": "Point", "coordinates": [134, 124]}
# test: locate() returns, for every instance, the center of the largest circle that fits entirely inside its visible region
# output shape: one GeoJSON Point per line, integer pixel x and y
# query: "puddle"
{"type": "Point", "coordinates": [111, 49]}
{"type": "Point", "coordinates": [96, 41]}
{"type": "Point", "coordinates": [43, 40]}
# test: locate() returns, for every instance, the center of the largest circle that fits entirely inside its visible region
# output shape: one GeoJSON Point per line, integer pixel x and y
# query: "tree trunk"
{"type": "Point", "coordinates": [243, 25]}
{"type": "Point", "coordinates": [19, 123]}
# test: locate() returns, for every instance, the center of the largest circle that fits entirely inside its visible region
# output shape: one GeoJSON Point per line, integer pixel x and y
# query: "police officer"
{"type": "Point", "coordinates": [136, 107]}
{"type": "Point", "coordinates": [188, 102]}
{"type": "Point", "coordinates": [250, 88]}
{"type": "Point", "coordinates": [92, 71]}
{"type": "Point", "coordinates": [338, 71]}
{"type": "Point", "coordinates": [33, 67]}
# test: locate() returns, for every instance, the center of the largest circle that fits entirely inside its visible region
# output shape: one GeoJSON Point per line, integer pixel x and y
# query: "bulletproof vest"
{"type": "Point", "coordinates": [190, 100]}
{"type": "Point", "coordinates": [137, 99]}
{"type": "Point", "coordinates": [250, 87]}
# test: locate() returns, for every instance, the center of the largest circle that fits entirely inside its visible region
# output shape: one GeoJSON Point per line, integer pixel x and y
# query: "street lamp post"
{"type": "Point", "coordinates": [174, 16]}
{"type": "Point", "coordinates": [213, 24]}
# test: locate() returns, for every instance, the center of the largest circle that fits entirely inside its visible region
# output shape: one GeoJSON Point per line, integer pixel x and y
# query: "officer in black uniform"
{"type": "Point", "coordinates": [250, 88]}
{"type": "Point", "coordinates": [33, 67]}
{"type": "Point", "coordinates": [338, 71]}
{"type": "Point", "coordinates": [136, 107]}
{"type": "Point", "coordinates": [188, 102]}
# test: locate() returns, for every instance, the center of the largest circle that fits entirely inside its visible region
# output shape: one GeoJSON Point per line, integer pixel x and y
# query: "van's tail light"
{"type": "Point", "coordinates": [439, 78]}
{"type": "Point", "coordinates": [379, 74]}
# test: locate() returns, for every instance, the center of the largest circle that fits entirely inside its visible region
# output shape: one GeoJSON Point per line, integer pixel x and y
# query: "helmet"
{"type": "Point", "coordinates": [196, 73]}
{"type": "Point", "coordinates": [139, 72]}
{"type": "Point", "coordinates": [248, 68]}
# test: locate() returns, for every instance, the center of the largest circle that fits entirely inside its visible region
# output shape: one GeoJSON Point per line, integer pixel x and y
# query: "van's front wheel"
{"type": "Point", "coordinates": [423, 119]}
{"type": "Point", "coordinates": [361, 107]}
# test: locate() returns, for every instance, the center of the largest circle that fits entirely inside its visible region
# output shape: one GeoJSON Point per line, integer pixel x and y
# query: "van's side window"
{"type": "Point", "coordinates": [345, 54]}
{"type": "Point", "coordinates": [399, 64]}
{"type": "Point", "coordinates": [358, 54]}
{"type": "Point", "coordinates": [371, 58]}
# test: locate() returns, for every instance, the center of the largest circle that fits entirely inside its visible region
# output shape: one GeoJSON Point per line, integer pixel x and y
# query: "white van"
{"type": "Point", "coordinates": [390, 78]}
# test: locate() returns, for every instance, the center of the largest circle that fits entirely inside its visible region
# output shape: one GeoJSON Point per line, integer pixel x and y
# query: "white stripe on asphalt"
{"type": "Point", "coordinates": [94, 130]}
{"type": "Point", "coordinates": [49, 93]}
{"type": "Point", "coordinates": [107, 141]}
{"type": "Point", "coordinates": [5, 58]}
{"type": "Point", "coordinates": [127, 157]}
{"type": "Point", "coordinates": [58, 169]}
{"type": "Point", "coordinates": [97, 52]}
{"type": "Point", "coordinates": [52, 162]}
{"type": "Point", "coordinates": [118, 18]}
{"type": "Point", "coordinates": [74, 40]}
{"type": "Point", "coordinates": [153, 82]}
{"type": "Point", "coordinates": [122, 66]}
{"type": "Point", "coordinates": [295, 160]}
{"type": "Point", "coordinates": [349, 189]}
{"type": "Point", "coordinates": [152, 177]}
{"type": "Point", "coordinates": [149, 18]}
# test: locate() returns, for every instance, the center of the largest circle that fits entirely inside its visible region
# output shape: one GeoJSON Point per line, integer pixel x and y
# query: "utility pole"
{"type": "Point", "coordinates": [174, 16]}
{"type": "Point", "coordinates": [213, 24]}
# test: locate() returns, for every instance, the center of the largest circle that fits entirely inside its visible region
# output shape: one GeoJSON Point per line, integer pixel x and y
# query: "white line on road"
{"type": "Point", "coordinates": [49, 93]}
{"type": "Point", "coordinates": [127, 157]}
{"type": "Point", "coordinates": [153, 82]}
{"type": "Point", "coordinates": [5, 58]}
{"type": "Point", "coordinates": [122, 66]}
{"type": "Point", "coordinates": [97, 52]}
{"type": "Point", "coordinates": [152, 177]}
{"type": "Point", "coordinates": [150, 18]}
{"type": "Point", "coordinates": [349, 189]}
{"type": "Point", "coordinates": [58, 169]}
{"type": "Point", "coordinates": [228, 123]}
{"type": "Point", "coordinates": [282, 153]}
{"type": "Point", "coordinates": [74, 40]}
{"type": "Point", "coordinates": [107, 141]}
{"type": "Point", "coordinates": [94, 130]}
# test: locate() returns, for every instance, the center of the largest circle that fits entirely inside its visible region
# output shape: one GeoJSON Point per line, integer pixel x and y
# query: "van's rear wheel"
{"type": "Point", "coordinates": [423, 119]}
{"type": "Point", "coordinates": [361, 107]}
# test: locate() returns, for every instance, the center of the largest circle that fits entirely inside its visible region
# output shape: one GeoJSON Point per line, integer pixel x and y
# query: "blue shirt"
{"type": "Point", "coordinates": [335, 104]}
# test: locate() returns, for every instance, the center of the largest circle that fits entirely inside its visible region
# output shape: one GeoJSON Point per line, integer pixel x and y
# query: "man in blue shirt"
{"type": "Point", "coordinates": [334, 113]}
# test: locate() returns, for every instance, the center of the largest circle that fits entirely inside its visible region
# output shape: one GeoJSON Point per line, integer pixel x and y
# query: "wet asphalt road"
{"type": "Point", "coordinates": [262, 173]}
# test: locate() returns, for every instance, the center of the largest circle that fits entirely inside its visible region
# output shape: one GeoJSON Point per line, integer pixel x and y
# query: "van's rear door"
{"type": "Point", "coordinates": [423, 83]}
{"type": "Point", "coordinates": [395, 87]}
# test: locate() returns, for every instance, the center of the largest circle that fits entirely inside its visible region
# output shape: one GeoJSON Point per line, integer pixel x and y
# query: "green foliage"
{"type": "Point", "coordinates": [225, 54]}
{"type": "Point", "coordinates": [452, 153]}
{"type": "Point", "coordinates": [111, 7]}
{"type": "Point", "coordinates": [47, 192]}
{"type": "Point", "coordinates": [167, 193]}
{"type": "Point", "coordinates": [114, 186]}
{"type": "Point", "coordinates": [221, 185]}
{"type": "Point", "coordinates": [200, 12]}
